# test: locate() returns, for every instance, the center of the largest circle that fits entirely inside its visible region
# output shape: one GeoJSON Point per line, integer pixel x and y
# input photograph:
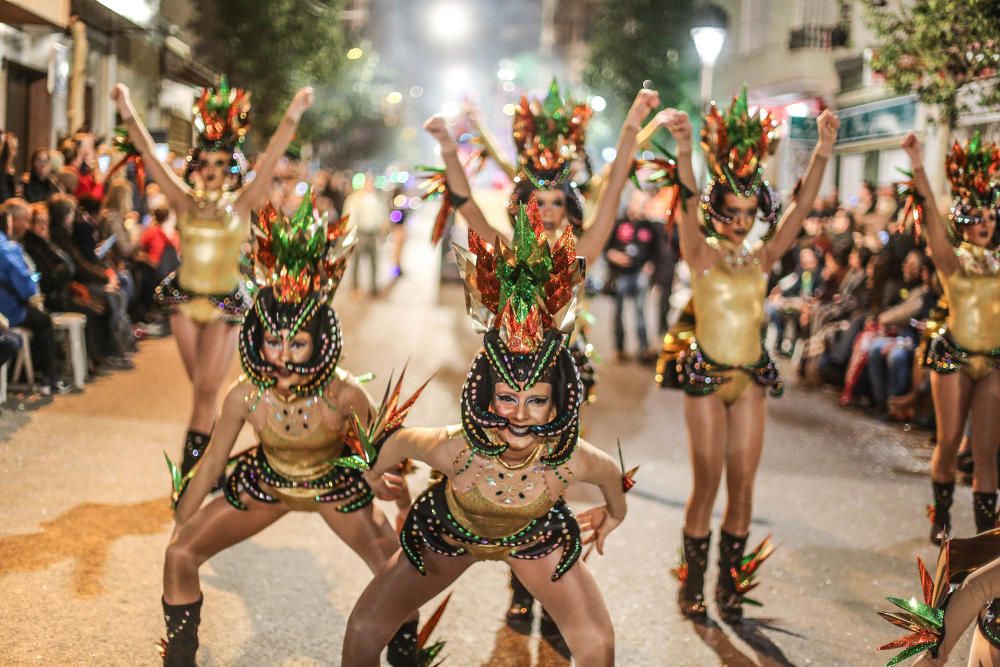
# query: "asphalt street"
{"type": "Point", "coordinates": [85, 520]}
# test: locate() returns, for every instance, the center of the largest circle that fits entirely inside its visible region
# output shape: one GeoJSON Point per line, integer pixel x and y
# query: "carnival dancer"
{"type": "Point", "coordinates": [550, 137]}
{"type": "Point", "coordinates": [213, 221]}
{"type": "Point", "coordinates": [298, 401]}
{"type": "Point", "coordinates": [724, 369]}
{"type": "Point", "coordinates": [964, 355]}
{"type": "Point", "coordinates": [965, 587]}
{"type": "Point", "coordinates": [508, 463]}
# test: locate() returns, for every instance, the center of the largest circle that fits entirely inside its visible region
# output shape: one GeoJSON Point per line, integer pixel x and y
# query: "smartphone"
{"type": "Point", "coordinates": [883, 237]}
{"type": "Point", "coordinates": [104, 163]}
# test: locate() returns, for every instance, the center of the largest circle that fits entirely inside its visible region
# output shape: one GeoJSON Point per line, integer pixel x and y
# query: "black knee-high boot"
{"type": "Point", "coordinates": [180, 647]}
{"type": "Point", "coordinates": [728, 600]}
{"type": "Point", "coordinates": [940, 511]}
{"type": "Point", "coordinates": [520, 615]}
{"type": "Point", "coordinates": [553, 637]}
{"type": "Point", "coordinates": [194, 446]}
{"type": "Point", "coordinates": [985, 507]}
{"type": "Point", "coordinates": [403, 646]}
{"type": "Point", "coordinates": [691, 573]}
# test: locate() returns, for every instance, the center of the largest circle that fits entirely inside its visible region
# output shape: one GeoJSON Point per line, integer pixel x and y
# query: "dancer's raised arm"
{"type": "Point", "coordinates": [174, 189]}
{"type": "Point", "coordinates": [458, 182]}
{"type": "Point", "coordinates": [791, 222]}
{"type": "Point", "coordinates": [694, 247]}
{"type": "Point", "coordinates": [937, 236]}
{"type": "Point", "coordinates": [490, 144]}
{"type": "Point", "coordinates": [591, 244]}
{"type": "Point", "coordinates": [253, 194]}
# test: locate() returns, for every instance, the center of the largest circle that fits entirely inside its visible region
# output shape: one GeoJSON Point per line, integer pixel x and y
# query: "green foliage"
{"type": "Point", "coordinates": [271, 48]}
{"type": "Point", "coordinates": [945, 51]}
{"type": "Point", "coordinates": [635, 40]}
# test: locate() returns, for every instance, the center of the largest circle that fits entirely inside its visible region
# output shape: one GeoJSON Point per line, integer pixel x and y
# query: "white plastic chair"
{"type": "Point", "coordinates": [23, 361]}
{"type": "Point", "coordinates": [74, 324]}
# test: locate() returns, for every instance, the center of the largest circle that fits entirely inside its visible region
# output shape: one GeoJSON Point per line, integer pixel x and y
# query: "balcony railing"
{"type": "Point", "coordinates": [817, 37]}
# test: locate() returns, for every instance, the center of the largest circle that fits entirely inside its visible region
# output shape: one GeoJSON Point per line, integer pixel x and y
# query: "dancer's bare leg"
{"type": "Point", "coordinates": [215, 353]}
{"type": "Point", "coordinates": [392, 597]}
{"type": "Point", "coordinates": [576, 605]}
{"type": "Point", "coordinates": [366, 531]}
{"type": "Point", "coordinates": [213, 528]}
{"type": "Point", "coordinates": [985, 432]}
{"type": "Point", "coordinates": [186, 335]}
{"type": "Point", "coordinates": [952, 395]}
{"type": "Point", "coordinates": [744, 446]}
{"type": "Point", "coordinates": [705, 417]}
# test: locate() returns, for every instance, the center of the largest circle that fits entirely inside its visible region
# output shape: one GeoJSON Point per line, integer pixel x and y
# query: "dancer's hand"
{"type": "Point", "coordinates": [598, 523]}
{"type": "Point", "coordinates": [304, 99]}
{"type": "Point", "coordinates": [644, 104]}
{"type": "Point", "coordinates": [120, 95]}
{"type": "Point", "coordinates": [437, 127]}
{"type": "Point", "coordinates": [386, 486]}
{"type": "Point", "coordinates": [911, 146]}
{"type": "Point", "coordinates": [679, 126]}
{"type": "Point", "coordinates": [827, 124]}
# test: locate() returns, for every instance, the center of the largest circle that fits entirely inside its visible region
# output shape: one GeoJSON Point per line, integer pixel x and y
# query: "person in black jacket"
{"type": "Point", "coordinates": [38, 183]}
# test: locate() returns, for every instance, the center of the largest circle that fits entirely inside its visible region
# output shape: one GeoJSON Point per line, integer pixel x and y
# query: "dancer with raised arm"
{"type": "Point", "coordinates": [550, 136]}
{"type": "Point", "coordinates": [213, 221]}
{"type": "Point", "coordinates": [299, 402]}
{"type": "Point", "coordinates": [724, 370]}
{"type": "Point", "coordinates": [964, 355]}
{"type": "Point", "coordinates": [508, 463]}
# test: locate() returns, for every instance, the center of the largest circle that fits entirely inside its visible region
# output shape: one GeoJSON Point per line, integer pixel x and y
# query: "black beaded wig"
{"type": "Point", "coordinates": [312, 316]}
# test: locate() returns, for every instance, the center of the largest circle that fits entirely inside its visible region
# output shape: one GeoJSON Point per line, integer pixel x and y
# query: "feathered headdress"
{"type": "Point", "coordinates": [222, 117]}
{"type": "Point", "coordinates": [524, 297]}
{"type": "Point", "coordinates": [737, 143]}
{"type": "Point", "coordinates": [525, 288]}
{"type": "Point", "coordinates": [974, 174]}
{"type": "Point", "coordinates": [303, 255]}
{"type": "Point", "coordinates": [298, 263]}
{"type": "Point", "coordinates": [549, 134]}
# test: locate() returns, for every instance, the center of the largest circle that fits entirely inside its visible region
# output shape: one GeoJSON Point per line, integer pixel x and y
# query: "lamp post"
{"type": "Point", "coordinates": [709, 34]}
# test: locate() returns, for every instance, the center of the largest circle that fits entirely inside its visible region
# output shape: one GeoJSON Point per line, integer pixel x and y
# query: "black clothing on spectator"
{"type": "Point", "coordinates": [36, 189]}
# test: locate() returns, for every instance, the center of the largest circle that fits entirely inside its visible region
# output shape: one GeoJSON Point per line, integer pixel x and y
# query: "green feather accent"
{"type": "Point", "coordinates": [909, 653]}
{"type": "Point", "coordinates": [932, 615]}
{"type": "Point", "coordinates": [523, 284]}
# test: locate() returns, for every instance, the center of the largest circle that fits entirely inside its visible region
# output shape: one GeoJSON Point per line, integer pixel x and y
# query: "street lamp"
{"type": "Point", "coordinates": [709, 34]}
{"type": "Point", "coordinates": [448, 22]}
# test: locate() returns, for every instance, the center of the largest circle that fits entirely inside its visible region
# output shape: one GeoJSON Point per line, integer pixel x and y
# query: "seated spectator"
{"type": "Point", "coordinates": [631, 252]}
{"type": "Point", "coordinates": [788, 299]}
{"type": "Point", "coordinates": [39, 184]}
{"type": "Point", "coordinates": [9, 187]}
{"type": "Point", "coordinates": [890, 354]}
{"type": "Point", "coordinates": [21, 302]}
{"type": "Point", "coordinates": [157, 258]}
{"type": "Point", "coordinates": [91, 252]}
{"type": "Point", "coordinates": [55, 267]}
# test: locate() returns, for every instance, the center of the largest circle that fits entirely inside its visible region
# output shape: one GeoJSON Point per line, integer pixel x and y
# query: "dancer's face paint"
{"type": "Point", "coordinates": [552, 208]}
{"type": "Point", "coordinates": [280, 351]}
{"type": "Point", "coordinates": [742, 211]}
{"type": "Point", "coordinates": [531, 407]}
{"type": "Point", "coordinates": [214, 169]}
{"type": "Point", "coordinates": [981, 233]}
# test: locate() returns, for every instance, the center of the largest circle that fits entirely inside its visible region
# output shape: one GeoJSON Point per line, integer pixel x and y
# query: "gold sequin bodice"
{"type": "Point", "coordinates": [296, 434]}
{"type": "Point", "coordinates": [212, 236]}
{"type": "Point", "coordinates": [973, 293]}
{"type": "Point", "coordinates": [494, 500]}
{"type": "Point", "coordinates": [729, 305]}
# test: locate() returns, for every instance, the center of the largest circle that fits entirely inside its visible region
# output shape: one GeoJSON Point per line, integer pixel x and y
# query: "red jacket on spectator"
{"type": "Point", "coordinates": [155, 240]}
